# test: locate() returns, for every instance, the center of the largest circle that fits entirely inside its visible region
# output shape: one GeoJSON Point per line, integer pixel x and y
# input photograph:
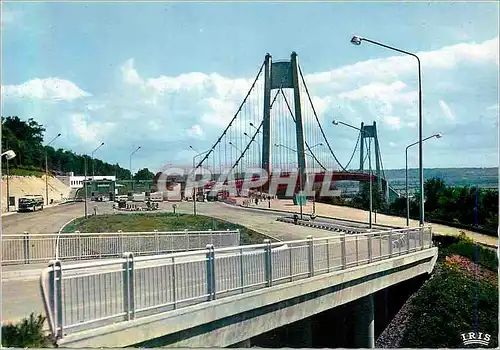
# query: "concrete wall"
{"type": "Point", "coordinates": [234, 319]}
{"type": "Point", "coordinates": [23, 185]}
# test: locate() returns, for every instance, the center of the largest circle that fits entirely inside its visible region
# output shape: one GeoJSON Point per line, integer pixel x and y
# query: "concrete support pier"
{"type": "Point", "coordinates": [365, 323]}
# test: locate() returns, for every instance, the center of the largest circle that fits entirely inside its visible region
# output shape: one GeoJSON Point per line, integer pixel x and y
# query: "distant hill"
{"type": "Point", "coordinates": [483, 177]}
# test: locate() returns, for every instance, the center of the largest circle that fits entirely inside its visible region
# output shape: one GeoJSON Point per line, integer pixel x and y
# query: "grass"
{"type": "Point", "coordinates": [161, 222]}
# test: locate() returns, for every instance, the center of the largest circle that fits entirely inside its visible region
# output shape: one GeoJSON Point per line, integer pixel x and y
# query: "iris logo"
{"type": "Point", "coordinates": [476, 338]}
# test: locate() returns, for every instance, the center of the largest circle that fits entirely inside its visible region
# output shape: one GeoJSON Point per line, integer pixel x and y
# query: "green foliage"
{"type": "Point", "coordinates": [28, 333]}
{"type": "Point", "coordinates": [466, 247]}
{"type": "Point", "coordinates": [445, 307]}
{"type": "Point", "coordinates": [454, 205]}
{"type": "Point", "coordinates": [362, 199]}
{"type": "Point", "coordinates": [26, 139]}
{"type": "Point", "coordinates": [144, 174]}
{"type": "Point", "coordinates": [160, 222]}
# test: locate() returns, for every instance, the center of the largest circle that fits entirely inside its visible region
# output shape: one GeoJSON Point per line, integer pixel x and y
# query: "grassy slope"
{"type": "Point", "coordinates": [445, 307]}
{"type": "Point", "coordinates": [161, 222]}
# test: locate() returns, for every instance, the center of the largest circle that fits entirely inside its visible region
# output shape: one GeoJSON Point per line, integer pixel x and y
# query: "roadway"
{"type": "Point", "coordinates": [48, 220]}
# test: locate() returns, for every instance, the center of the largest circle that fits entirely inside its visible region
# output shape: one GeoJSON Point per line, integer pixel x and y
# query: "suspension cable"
{"type": "Point", "coordinates": [234, 118]}
{"type": "Point", "coordinates": [319, 124]}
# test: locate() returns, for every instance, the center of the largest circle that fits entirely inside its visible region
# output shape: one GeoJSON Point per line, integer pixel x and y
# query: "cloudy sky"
{"type": "Point", "coordinates": [169, 75]}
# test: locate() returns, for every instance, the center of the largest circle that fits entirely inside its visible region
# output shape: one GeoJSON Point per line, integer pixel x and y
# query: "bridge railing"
{"type": "Point", "coordinates": [89, 295]}
{"type": "Point", "coordinates": [35, 248]}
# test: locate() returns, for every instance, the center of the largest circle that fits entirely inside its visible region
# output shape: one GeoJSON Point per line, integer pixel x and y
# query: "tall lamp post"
{"type": "Point", "coordinates": [130, 167]}
{"type": "Point", "coordinates": [47, 170]}
{"type": "Point", "coordinates": [92, 158]}
{"type": "Point", "coordinates": [438, 136]}
{"type": "Point", "coordinates": [85, 175]}
{"type": "Point", "coordinates": [194, 175]}
{"type": "Point", "coordinates": [8, 156]}
{"type": "Point", "coordinates": [337, 122]}
{"type": "Point", "coordinates": [356, 40]}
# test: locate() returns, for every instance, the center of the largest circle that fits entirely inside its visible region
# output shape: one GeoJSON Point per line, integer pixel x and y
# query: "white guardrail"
{"type": "Point", "coordinates": [32, 248]}
{"type": "Point", "coordinates": [89, 295]}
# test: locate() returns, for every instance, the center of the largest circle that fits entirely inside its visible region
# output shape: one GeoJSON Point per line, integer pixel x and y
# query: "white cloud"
{"type": "Point", "coordinates": [44, 89]}
{"type": "Point", "coordinates": [130, 74]}
{"type": "Point", "coordinates": [384, 69]}
{"type": "Point", "coordinates": [195, 131]}
{"type": "Point", "coordinates": [492, 108]}
{"type": "Point", "coordinates": [392, 144]}
{"type": "Point", "coordinates": [393, 122]}
{"type": "Point", "coordinates": [88, 131]}
{"type": "Point", "coordinates": [155, 110]}
{"type": "Point", "coordinates": [446, 110]}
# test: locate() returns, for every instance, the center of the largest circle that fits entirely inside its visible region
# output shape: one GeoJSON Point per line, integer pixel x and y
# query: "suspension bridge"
{"type": "Point", "coordinates": [276, 128]}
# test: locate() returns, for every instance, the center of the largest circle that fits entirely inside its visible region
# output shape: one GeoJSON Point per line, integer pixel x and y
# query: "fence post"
{"type": "Point", "coordinates": [242, 281]}
{"type": "Point", "coordinates": [328, 255]}
{"type": "Point", "coordinates": [79, 239]}
{"type": "Point", "coordinates": [128, 286]}
{"type": "Point", "coordinates": [310, 255]}
{"type": "Point", "coordinates": [408, 241]}
{"type": "Point", "coordinates": [370, 253]}
{"type": "Point", "coordinates": [26, 247]}
{"type": "Point", "coordinates": [55, 293]}
{"type": "Point", "coordinates": [390, 244]}
{"type": "Point", "coordinates": [157, 241]}
{"type": "Point", "coordinates": [120, 242]}
{"type": "Point", "coordinates": [357, 251]}
{"type": "Point", "coordinates": [343, 251]}
{"type": "Point", "coordinates": [210, 271]}
{"type": "Point", "coordinates": [268, 263]}
{"type": "Point", "coordinates": [174, 284]}
{"type": "Point", "coordinates": [431, 241]}
{"type": "Point", "coordinates": [421, 236]}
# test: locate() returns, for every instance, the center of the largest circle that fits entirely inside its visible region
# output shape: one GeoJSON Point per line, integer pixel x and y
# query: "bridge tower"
{"type": "Point", "coordinates": [370, 132]}
{"type": "Point", "coordinates": [285, 75]}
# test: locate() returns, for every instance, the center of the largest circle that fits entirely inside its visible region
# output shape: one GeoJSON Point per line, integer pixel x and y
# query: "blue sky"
{"type": "Point", "coordinates": [167, 75]}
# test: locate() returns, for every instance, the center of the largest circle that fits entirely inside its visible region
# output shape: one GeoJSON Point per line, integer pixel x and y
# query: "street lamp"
{"type": "Point", "coordinates": [337, 122]}
{"type": "Point", "coordinates": [47, 170]}
{"type": "Point", "coordinates": [130, 167]}
{"type": "Point", "coordinates": [194, 170]}
{"type": "Point", "coordinates": [92, 158]}
{"type": "Point", "coordinates": [10, 154]}
{"type": "Point", "coordinates": [260, 157]}
{"type": "Point", "coordinates": [85, 175]}
{"type": "Point", "coordinates": [356, 40]}
{"type": "Point", "coordinates": [438, 136]}
{"type": "Point", "coordinates": [241, 165]}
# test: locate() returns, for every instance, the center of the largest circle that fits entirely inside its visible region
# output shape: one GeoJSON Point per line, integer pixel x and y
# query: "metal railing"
{"type": "Point", "coordinates": [26, 248]}
{"type": "Point", "coordinates": [90, 295]}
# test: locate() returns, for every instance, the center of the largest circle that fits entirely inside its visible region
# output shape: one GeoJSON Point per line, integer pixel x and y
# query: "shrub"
{"type": "Point", "coordinates": [28, 333]}
{"type": "Point", "coordinates": [466, 247]}
{"type": "Point", "coordinates": [445, 307]}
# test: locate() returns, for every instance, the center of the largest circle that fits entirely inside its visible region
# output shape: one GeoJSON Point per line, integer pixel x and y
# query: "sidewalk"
{"type": "Point", "coordinates": [343, 212]}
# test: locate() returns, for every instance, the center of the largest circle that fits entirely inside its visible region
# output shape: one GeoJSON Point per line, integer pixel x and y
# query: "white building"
{"type": "Point", "coordinates": [77, 181]}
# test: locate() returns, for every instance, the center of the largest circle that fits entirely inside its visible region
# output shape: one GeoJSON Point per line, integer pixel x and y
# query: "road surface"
{"type": "Point", "coordinates": [49, 220]}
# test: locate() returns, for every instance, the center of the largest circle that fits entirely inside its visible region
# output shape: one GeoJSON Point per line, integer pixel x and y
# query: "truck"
{"type": "Point", "coordinates": [30, 202]}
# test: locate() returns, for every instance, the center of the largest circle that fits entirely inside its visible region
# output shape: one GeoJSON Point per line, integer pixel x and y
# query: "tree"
{"type": "Point", "coordinates": [362, 199]}
{"type": "Point", "coordinates": [144, 174]}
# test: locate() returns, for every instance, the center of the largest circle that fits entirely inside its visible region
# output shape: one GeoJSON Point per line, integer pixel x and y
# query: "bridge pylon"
{"type": "Point", "coordinates": [370, 132]}
{"type": "Point", "coordinates": [283, 75]}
